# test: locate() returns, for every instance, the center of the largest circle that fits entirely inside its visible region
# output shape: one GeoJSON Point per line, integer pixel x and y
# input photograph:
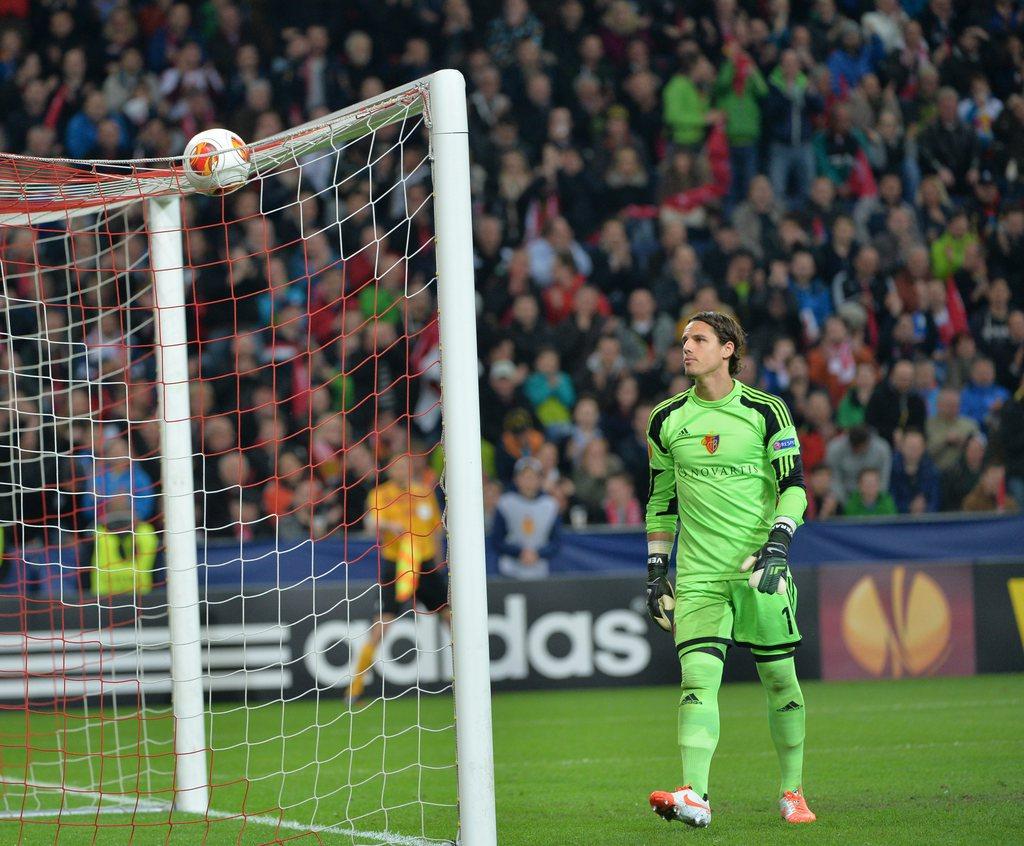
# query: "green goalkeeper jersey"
{"type": "Point", "coordinates": [723, 471]}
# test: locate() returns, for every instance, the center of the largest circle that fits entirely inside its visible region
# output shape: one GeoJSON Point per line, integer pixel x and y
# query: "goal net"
{"type": "Point", "coordinates": [223, 456]}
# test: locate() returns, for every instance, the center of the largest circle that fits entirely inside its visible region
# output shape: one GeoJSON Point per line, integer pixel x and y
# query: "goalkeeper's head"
{"type": "Point", "coordinates": [712, 340]}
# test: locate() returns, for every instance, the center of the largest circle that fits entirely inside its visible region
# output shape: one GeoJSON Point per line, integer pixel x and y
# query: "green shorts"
{"type": "Point", "coordinates": [712, 616]}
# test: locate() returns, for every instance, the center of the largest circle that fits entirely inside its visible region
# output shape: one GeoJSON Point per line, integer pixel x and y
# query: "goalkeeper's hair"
{"type": "Point", "coordinates": [727, 328]}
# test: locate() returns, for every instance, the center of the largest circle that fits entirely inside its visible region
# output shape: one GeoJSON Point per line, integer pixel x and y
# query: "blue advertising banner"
{"type": "Point", "coordinates": [987, 538]}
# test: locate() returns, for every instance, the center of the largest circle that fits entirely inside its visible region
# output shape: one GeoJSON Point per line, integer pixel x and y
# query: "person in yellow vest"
{"type": "Point", "coordinates": [124, 554]}
{"type": "Point", "coordinates": [125, 500]}
{"type": "Point", "coordinates": [406, 518]}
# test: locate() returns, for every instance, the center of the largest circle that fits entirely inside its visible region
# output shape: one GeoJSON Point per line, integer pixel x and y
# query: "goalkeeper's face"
{"type": "Point", "coordinates": [703, 353]}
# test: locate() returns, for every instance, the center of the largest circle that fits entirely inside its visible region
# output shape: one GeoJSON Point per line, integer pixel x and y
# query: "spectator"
{"type": "Point", "coordinates": [500, 396]}
{"type": "Point", "coordinates": [621, 507]}
{"type": "Point", "coordinates": [627, 181]}
{"type": "Point", "coordinates": [591, 476]}
{"type": "Point", "coordinates": [617, 420]}
{"type": "Point", "coordinates": [950, 249]}
{"type": "Point", "coordinates": [990, 493]}
{"type": "Point", "coordinates": [774, 366]}
{"type": "Point", "coordinates": [83, 128]}
{"type": "Point", "coordinates": [526, 525]}
{"type": "Point", "coordinates": [558, 297]}
{"type": "Point", "coordinates": [813, 297]}
{"type": "Point", "coordinates": [738, 91]}
{"type": "Point", "coordinates": [915, 481]}
{"type": "Point", "coordinates": [1015, 364]}
{"type": "Point", "coordinates": [551, 393]}
{"type": "Point", "coordinates": [615, 271]}
{"type": "Point", "coordinates": [854, 451]}
{"type": "Point", "coordinates": [980, 111]}
{"type": "Point", "coordinates": [948, 148]}
{"type": "Point", "coordinates": [960, 479]}
{"type": "Point", "coordinates": [948, 431]}
{"type": "Point", "coordinates": [585, 429]}
{"type": "Point", "coordinates": [934, 208]}
{"type": "Point", "coordinates": [789, 107]}
{"type": "Point", "coordinates": [886, 24]}
{"type": "Point", "coordinates": [757, 219]}
{"type": "Point", "coordinates": [647, 333]}
{"type": "Point", "coordinates": [818, 429]}
{"type": "Point", "coordinates": [1009, 133]}
{"type": "Point", "coordinates": [520, 439]}
{"type": "Point", "coordinates": [864, 283]}
{"type": "Point", "coordinates": [836, 256]}
{"type": "Point", "coordinates": [851, 61]}
{"type": "Point", "coordinates": [892, 151]}
{"type": "Point", "coordinates": [841, 154]}
{"type": "Point", "coordinates": [926, 384]}
{"type": "Point", "coordinates": [868, 101]}
{"type": "Point", "coordinates": [527, 329]}
{"type": "Point", "coordinates": [822, 502]}
{"type": "Point", "coordinates": [578, 335]}
{"type": "Point", "coordinates": [871, 214]}
{"type": "Point", "coordinates": [604, 366]}
{"type": "Point", "coordinates": [869, 499]}
{"type": "Point", "coordinates": [990, 328]}
{"type": "Point", "coordinates": [516, 24]}
{"type": "Point", "coordinates": [894, 407]}
{"type": "Point", "coordinates": [556, 239]}
{"type": "Point", "coordinates": [679, 280]}
{"type": "Point", "coordinates": [853, 407]}
{"type": "Point", "coordinates": [1011, 431]}
{"type": "Point", "coordinates": [833, 364]}
{"type": "Point", "coordinates": [632, 449]}
{"type": "Point", "coordinates": [981, 398]}
{"type": "Point", "coordinates": [121, 485]}
{"type": "Point", "coordinates": [685, 99]}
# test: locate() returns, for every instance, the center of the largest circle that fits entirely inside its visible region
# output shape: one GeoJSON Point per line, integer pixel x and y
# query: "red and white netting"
{"type": "Point", "coordinates": [313, 365]}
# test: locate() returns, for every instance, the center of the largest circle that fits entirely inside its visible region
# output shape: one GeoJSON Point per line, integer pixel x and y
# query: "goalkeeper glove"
{"type": "Point", "coordinates": [769, 566]}
{"type": "Point", "coordinates": [661, 598]}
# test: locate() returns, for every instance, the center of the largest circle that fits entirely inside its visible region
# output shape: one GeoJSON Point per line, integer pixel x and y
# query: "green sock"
{"type": "Point", "coordinates": [785, 717]}
{"type": "Point", "coordinates": [698, 716]}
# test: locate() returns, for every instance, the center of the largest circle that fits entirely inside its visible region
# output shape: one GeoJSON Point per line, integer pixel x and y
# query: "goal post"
{"type": "Point", "coordinates": [211, 411]}
{"type": "Point", "coordinates": [449, 136]}
{"type": "Point", "coordinates": [191, 791]}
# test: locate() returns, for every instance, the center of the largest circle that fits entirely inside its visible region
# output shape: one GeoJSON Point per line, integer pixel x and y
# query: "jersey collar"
{"type": "Point", "coordinates": [736, 387]}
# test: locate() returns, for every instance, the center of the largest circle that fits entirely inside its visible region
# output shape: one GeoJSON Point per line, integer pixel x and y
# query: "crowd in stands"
{"type": "Point", "coordinates": [845, 176]}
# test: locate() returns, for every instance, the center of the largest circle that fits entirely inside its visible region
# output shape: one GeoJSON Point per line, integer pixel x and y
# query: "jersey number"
{"type": "Point", "coordinates": [789, 618]}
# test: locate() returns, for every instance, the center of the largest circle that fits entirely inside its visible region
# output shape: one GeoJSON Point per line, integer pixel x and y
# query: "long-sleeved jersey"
{"type": "Point", "coordinates": [723, 471]}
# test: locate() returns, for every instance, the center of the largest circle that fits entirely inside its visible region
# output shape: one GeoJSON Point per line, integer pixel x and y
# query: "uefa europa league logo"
{"type": "Point", "coordinates": [910, 637]}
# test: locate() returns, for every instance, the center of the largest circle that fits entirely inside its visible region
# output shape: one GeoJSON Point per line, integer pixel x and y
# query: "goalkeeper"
{"type": "Point", "coordinates": [726, 469]}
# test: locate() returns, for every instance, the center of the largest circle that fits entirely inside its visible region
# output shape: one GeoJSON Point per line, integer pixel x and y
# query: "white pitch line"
{"type": "Point", "coordinates": [380, 836]}
{"type": "Point", "coordinates": [76, 812]}
{"type": "Point", "coordinates": [149, 806]}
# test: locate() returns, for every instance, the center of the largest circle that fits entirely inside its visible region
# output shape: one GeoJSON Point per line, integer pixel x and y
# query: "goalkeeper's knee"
{"type": "Point", "coordinates": [779, 679]}
{"type": "Point", "coordinates": [701, 675]}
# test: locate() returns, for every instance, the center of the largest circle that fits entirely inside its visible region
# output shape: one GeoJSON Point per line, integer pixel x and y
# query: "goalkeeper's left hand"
{"type": "Point", "coordinates": [769, 566]}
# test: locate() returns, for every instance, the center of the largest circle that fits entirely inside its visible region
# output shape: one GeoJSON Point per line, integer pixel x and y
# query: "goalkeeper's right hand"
{"type": "Point", "coordinates": [661, 598]}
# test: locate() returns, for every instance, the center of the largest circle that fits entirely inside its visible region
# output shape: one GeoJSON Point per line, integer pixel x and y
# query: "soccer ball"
{"type": "Point", "coordinates": [216, 162]}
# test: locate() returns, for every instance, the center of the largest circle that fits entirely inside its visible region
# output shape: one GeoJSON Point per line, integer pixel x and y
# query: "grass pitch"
{"type": "Point", "coordinates": [909, 762]}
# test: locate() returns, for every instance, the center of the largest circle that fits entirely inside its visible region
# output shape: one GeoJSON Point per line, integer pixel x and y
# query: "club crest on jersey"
{"type": "Point", "coordinates": [710, 443]}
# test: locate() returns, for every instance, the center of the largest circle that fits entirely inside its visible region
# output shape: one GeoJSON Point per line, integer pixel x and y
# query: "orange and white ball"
{"type": "Point", "coordinates": [217, 162]}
